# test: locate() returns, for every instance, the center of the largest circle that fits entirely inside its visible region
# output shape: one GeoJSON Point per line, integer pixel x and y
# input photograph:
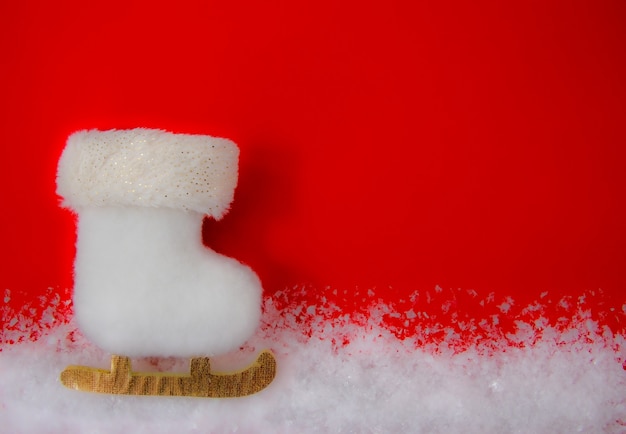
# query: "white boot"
{"type": "Point", "coordinates": [144, 283]}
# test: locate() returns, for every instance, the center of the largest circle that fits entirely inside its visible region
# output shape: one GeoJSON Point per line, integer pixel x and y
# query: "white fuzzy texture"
{"type": "Point", "coordinates": [145, 285]}
{"type": "Point", "coordinates": [569, 382]}
{"type": "Point", "coordinates": [145, 167]}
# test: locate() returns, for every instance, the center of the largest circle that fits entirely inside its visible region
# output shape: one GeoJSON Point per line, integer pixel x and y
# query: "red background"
{"type": "Point", "coordinates": [388, 144]}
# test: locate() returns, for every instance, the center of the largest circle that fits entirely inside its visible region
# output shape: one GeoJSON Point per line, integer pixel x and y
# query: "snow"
{"type": "Point", "coordinates": [342, 373]}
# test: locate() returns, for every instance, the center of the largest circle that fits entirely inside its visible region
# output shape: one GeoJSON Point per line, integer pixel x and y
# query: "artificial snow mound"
{"type": "Point", "coordinates": [341, 374]}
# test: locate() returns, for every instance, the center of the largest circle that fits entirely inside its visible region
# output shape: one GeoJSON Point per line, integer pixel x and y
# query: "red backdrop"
{"type": "Point", "coordinates": [395, 145]}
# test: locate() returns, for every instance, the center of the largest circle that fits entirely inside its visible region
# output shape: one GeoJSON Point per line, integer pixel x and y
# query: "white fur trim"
{"type": "Point", "coordinates": [145, 167]}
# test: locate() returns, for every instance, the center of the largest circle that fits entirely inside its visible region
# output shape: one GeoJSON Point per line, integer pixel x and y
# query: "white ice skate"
{"type": "Point", "coordinates": [144, 283]}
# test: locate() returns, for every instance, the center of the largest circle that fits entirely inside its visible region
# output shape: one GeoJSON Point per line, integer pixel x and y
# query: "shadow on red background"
{"type": "Point", "coordinates": [390, 144]}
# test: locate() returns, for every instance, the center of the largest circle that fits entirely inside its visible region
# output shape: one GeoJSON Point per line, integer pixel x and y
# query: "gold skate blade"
{"type": "Point", "coordinates": [121, 380]}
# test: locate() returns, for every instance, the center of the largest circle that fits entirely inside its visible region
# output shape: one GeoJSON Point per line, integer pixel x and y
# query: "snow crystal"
{"type": "Point", "coordinates": [345, 373]}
